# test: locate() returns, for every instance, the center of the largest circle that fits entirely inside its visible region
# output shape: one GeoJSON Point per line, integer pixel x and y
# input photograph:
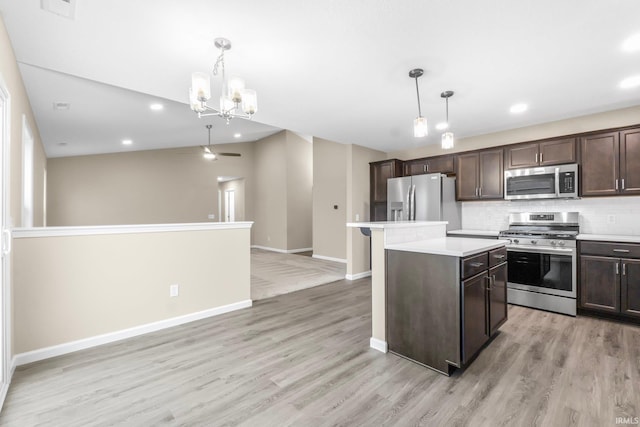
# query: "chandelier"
{"type": "Point", "coordinates": [235, 99]}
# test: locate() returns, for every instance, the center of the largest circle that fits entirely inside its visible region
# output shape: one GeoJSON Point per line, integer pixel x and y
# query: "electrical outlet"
{"type": "Point", "coordinates": [611, 219]}
{"type": "Point", "coordinates": [268, 238]}
{"type": "Point", "coordinates": [357, 217]}
{"type": "Point", "coordinates": [211, 216]}
{"type": "Point", "coordinates": [174, 290]}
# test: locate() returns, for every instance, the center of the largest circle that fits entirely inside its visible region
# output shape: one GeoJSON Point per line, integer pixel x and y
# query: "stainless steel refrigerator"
{"type": "Point", "coordinates": [430, 197]}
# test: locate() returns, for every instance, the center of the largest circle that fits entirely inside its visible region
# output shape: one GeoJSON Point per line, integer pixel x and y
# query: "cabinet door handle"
{"type": "Point", "coordinates": [540, 157]}
{"type": "Point", "coordinates": [623, 183]}
{"type": "Point", "coordinates": [617, 268]}
{"type": "Point", "coordinates": [424, 168]}
{"type": "Point", "coordinates": [476, 264]}
{"type": "Point", "coordinates": [488, 288]}
{"type": "Point", "coordinates": [624, 251]}
{"type": "Point", "coordinates": [616, 183]}
{"type": "Point", "coordinates": [624, 269]}
{"type": "Point", "coordinates": [427, 167]}
{"type": "Point", "coordinates": [536, 157]}
{"type": "Point", "coordinates": [476, 191]}
{"type": "Point", "coordinates": [480, 191]}
{"type": "Point", "coordinates": [498, 256]}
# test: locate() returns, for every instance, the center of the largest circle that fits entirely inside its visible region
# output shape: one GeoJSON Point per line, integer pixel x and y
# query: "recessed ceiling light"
{"type": "Point", "coordinates": [62, 144]}
{"type": "Point", "coordinates": [220, 178]}
{"type": "Point", "coordinates": [632, 44]}
{"type": "Point", "coordinates": [61, 105]}
{"type": "Point", "coordinates": [518, 108]}
{"type": "Point", "coordinates": [630, 82]}
{"type": "Point", "coordinates": [156, 107]}
{"type": "Point", "coordinates": [127, 142]}
{"type": "Point", "coordinates": [237, 135]}
{"type": "Point", "coordinates": [442, 126]}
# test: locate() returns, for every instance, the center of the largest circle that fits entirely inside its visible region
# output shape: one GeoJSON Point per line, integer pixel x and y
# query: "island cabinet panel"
{"type": "Point", "coordinates": [379, 173]}
{"type": "Point", "coordinates": [423, 308]}
{"type": "Point", "coordinates": [476, 332]}
{"type": "Point", "coordinates": [441, 310]}
{"type": "Point", "coordinates": [610, 278]}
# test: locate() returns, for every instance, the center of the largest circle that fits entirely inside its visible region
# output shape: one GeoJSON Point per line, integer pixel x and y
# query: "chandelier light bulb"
{"type": "Point", "coordinates": [235, 87]}
{"type": "Point", "coordinates": [249, 101]}
{"type": "Point", "coordinates": [201, 86]}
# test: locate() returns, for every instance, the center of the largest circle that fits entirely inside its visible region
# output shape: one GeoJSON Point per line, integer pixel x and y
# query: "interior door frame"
{"type": "Point", "coordinates": [7, 365]}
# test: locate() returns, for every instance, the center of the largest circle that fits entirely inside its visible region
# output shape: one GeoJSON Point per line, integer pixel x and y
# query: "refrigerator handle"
{"type": "Point", "coordinates": [408, 205]}
{"type": "Point", "coordinates": [413, 203]}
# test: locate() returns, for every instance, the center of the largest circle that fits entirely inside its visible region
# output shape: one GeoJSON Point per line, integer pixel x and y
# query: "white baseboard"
{"type": "Point", "coordinates": [379, 345]}
{"type": "Point", "coordinates": [70, 347]}
{"type": "Point", "coordinates": [282, 251]}
{"type": "Point", "coordinates": [328, 258]}
{"type": "Point", "coordinates": [358, 275]}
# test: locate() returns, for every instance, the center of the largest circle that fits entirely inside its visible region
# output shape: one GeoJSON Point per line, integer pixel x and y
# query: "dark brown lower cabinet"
{"type": "Point", "coordinates": [476, 332]}
{"type": "Point", "coordinates": [441, 310]}
{"type": "Point", "coordinates": [497, 297]}
{"type": "Point", "coordinates": [609, 283]}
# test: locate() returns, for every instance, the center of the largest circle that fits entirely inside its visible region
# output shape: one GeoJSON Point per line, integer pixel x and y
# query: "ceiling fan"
{"type": "Point", "coordinates": [209, 154]}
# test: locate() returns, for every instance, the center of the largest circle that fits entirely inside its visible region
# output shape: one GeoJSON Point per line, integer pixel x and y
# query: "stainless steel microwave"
{"type": "Point", "coordinates": [551, 182]}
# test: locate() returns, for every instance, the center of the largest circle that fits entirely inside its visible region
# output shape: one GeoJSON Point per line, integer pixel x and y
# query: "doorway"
{"type": "Point", "coordinates": [230, 206]}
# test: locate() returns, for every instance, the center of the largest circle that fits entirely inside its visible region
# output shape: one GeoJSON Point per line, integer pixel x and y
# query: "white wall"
{"type": "Point", "coordinates": [598, 215]}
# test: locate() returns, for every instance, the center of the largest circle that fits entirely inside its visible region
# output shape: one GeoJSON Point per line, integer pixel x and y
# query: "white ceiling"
{"type": "Point", "coordinates": [336, 70]}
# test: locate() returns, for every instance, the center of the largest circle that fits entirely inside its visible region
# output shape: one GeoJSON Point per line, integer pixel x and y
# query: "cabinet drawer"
{"type": "Point", "coordinates": [622, 250]}
{"type": "Point", "coordinates": [474, 264]}
{"type": "Point", "coordinates": [497, 256]}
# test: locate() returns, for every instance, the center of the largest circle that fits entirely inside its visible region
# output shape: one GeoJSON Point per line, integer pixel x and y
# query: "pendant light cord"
{"type": "Point", "coordinates": [418, 95]}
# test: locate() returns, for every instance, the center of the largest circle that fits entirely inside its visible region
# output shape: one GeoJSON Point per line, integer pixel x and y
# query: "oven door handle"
{"type": "Point", "coordinates": [557, 181]}
{"type": "Point", "coordinates": [542, 250]}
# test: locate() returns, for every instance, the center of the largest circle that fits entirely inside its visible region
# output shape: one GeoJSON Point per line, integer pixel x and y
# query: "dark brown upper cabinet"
{"type": "Point", "coordinates": [438, 164]}
{"type": "Point", "coordinates": [379, 173]}
{"type": "Point", "coordinates": [610, 163]}
{"type": "Point", "coordinates": [479, 175]}
{"type": "Point", "coordinates": [545, 153]}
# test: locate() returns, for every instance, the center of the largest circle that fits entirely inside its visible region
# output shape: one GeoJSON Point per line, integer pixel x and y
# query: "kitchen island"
{"type": "Point", "coordinates": [421, 253]}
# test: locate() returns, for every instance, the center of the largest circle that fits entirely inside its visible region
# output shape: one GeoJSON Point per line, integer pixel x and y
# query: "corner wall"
{"type": "Point", "coordinates": [329, 190]}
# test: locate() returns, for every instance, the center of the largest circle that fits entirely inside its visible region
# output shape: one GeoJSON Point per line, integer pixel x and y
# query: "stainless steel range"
{"type": "Point", "coordinates": [542, 260]}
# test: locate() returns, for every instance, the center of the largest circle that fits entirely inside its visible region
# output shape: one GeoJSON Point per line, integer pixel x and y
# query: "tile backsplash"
{"type": "Point", "coordinates": [600, 215]}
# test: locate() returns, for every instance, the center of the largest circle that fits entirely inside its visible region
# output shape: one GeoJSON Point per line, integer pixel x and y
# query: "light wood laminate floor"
{"type": "Point", "coordinates": [274, 273]}
{"type": "Point", "coordinates": [303, 359]}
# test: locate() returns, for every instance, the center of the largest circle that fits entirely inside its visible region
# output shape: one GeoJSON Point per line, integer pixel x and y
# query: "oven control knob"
{"type": "Point", "coordinates": [553, 243]}
{"type": "Point", "coordinates": [516, 241]}
{"type": "Point", "coordinates": [561, 243]}
{"type": "Point", "coordinates": [534, 242]}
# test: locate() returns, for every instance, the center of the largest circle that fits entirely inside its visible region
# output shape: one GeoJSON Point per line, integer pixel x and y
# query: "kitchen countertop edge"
{"type": "Point", "coordinates": [449, 246]}
{"type": "Point", "coordinates": [609, 238]}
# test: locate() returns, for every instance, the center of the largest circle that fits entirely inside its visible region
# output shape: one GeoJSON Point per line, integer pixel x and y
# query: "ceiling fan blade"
{"type": "Point", "coordinates": [229, 154]}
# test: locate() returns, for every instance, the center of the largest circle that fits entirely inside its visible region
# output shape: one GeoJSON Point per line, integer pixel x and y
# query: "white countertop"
{"type": "Point", "coordinates": [609, 238]}
{"type": "Point", "coordinates": [394, 224]}
{"type": "Point", "coordinates": [451, 246]}
{"type": "Point", "coordinates": [490, 233]}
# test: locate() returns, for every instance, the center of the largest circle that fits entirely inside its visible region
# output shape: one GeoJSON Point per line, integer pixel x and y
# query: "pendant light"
{"type": "Point", "coordinates": [420, 129]}
{"type": "Point", "coordinates": [447, 137]}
